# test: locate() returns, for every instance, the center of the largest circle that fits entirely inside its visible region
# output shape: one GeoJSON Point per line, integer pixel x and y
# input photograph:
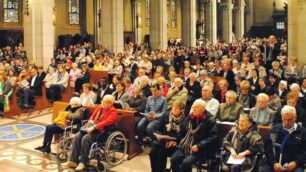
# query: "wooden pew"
{"type": "Point", "coordinates": [96, 76]}
{"type": "Point", "coordinates": [41, 102]}
{"type": "Point", "coordinates": [125, 122]}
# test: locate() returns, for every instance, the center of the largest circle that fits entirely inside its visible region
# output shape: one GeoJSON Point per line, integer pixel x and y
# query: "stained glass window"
{"type": "Point", "coordinates": [74, 12]}
{"type": "Point", "coordinates": [173, 13]}
{"type": "Point", "coordinates": [148, 12]}
{"type": "Point", "coordinates": [10, 9]}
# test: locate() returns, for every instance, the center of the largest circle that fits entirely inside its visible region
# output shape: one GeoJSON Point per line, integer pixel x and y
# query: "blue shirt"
{"type": "Point", "coordinates": [157, 105]}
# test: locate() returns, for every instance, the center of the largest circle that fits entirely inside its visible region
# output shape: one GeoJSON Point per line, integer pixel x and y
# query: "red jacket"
{"type": "Point", "coordinates": [107, 118]}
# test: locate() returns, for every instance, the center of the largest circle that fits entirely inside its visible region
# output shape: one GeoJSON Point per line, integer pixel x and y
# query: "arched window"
{"type": "Point", "coordinates": [74, 12]}
{"type": "Point", "coordinates": [173, 13]}
{"type": "Point", "coordinates": [10, 11]}
{"type": "Point", "coordinates": [148, 12]}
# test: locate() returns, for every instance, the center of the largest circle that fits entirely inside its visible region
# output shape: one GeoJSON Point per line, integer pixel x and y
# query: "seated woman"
{"type": "Point", "coordinates": [243, 141]}
{"type": "Point", "coordinates": [88, 97]}
{"type": "Point", "coordinates": [199, 140]}
{"type": "Point", "coordinates": [120, 95]}
{"type": "Point", "coordinates": [173, 127]}
{"type": "Point", "coordinates": [261, 113]}
{"type": "Point", "coordinates": [84, 78]}
{"type": "Point", "coordinates": [5, 93]}
{"type": "Point", "coordinates": [54, 92]}
{"type": "Point", "coordinates": [73, 112]}
{"type": "Point", "coordinates": [103, 116]}
{"type": "Point", "coordinates": [245, 98]}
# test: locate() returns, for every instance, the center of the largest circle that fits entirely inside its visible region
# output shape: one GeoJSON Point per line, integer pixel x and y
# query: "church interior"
{"type": "Point", "coordinates": [186, 42]}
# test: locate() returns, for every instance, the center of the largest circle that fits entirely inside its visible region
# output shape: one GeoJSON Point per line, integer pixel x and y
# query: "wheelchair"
{"type": "Point", "coordinates": [65, 141]}
{"type": "Point", "coordinates": [113, 150]}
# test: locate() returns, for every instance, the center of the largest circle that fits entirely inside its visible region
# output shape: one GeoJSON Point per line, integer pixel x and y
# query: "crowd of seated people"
{"type": "Point", "coordinates": [255, 79]}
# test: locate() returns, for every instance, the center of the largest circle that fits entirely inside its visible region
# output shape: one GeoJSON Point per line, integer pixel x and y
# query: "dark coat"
{"type": "Point", "coordinates": [100, 96]}
{"type": "Point", "coordinates": [230, 78]}
{"type": "Point", "coordinates": [295, 147]}
{"type": "Point", "coordinates": [37, 86]}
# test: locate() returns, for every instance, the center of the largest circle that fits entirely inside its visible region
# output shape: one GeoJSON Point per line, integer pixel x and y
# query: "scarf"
{"type": "Point", "coordinates": [189, 138]}
{"type": "Point", "coordinates": [174, 123]}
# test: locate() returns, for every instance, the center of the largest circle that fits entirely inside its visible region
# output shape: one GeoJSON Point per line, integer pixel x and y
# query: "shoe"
{"type": "Point", "coordinates": [39, 148]}
{"type": "Point", "coordinates": [46, 150]}
{"type": "Point", "coordinates": [69, 164]}
{"type": "Point", "coordinates": [80, 167]}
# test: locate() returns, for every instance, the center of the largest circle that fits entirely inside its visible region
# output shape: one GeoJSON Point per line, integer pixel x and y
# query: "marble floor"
{"type": "Point", "coordinates": [20, 156]}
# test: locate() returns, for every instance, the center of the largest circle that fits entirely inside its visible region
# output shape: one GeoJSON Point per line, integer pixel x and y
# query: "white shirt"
{"type": "Point", "coordinates": [33, 80]}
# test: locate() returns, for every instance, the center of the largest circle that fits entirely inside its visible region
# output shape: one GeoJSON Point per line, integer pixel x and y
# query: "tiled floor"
{"type": "Point", "coordinates": [20, 156]}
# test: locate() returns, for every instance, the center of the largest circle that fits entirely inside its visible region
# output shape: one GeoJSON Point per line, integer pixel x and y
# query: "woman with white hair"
{"type": "Point", "coordinates": [73, 112]}
{"type": "Point", "coordinates": [261, 113]}
{"type": "Point", "coordinates": [282, 90]}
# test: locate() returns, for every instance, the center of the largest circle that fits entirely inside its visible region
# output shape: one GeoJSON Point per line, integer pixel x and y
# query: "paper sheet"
{"type": "Point", "coordinates": [232, 160]}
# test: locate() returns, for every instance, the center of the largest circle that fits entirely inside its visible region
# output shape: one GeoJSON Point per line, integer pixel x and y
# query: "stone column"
{"type": "Point", "coordinates": [211, 21]}
{"type": "Point", "coordinates": [137, 20]}
{"type": "Point", "coordinates": [189, 22]}
{"type": "Point", "coordinates": [249, 15]}
{"type": "Point", "coordinates": [227, 32]}
{"type": "Point", "coordinates": [158, 24]}
{"type": "Point", "coordinates": [39, 32]}
{"type": "Point", "coordinates": [296, 30]}
{"type": "Point", "coordinates": [110, 29]}
{"type": "Point", "coordinates": [239, 22]}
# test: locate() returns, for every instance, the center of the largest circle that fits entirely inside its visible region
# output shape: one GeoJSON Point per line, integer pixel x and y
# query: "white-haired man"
{"type": "Point", "coordinates": [290, 154]}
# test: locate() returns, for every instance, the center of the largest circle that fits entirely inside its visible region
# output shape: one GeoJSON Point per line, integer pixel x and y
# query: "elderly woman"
{"type": "Point", "coordinates": [198, 141]}
{"type": "Point", "coordinates": [220, 95]}
{"type": "Point", "coordinates": [73, 112]}
{"type": "Point", "coordinates": [194, 90]}
{"type": "Point", "coordinates": [282, 90]}
{"type": "Point", "coordinates": [243, 141]}
{"type": "Point", "coordinates": [173, 127]}
{"type": "Point", "coordinates": [103, 116]}
{"type": "Point", "coordinates": [230, 110]}
{"type": "Point", "coordinates": [176, 92]}
{"type": "Point", "coordinates": [293, 70]}
{"type": "Point", "coordinates": [261, 113]}
{"type": "Point", "coordinates": [120, 95]}
{"type": "Point", "coordinates": [88, 97]}
{"type": "Point", "coordinates": [245, 98]}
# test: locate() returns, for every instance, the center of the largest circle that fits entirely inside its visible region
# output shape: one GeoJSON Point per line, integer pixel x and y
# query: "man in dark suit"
{"type": "Point", "coordinates": [103, 90]}
{"type": "Point", "coordinates": [133, 69]}
{"type": "Point", "coordinates": [33, 89]}
{"type": "Point", "coordinates": [228, 75]}
{"type": "Point", "coordinates": [272, 49]}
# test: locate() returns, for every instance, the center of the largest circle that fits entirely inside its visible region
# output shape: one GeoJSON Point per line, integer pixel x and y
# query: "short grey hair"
{"type": "Point", "coordinates": [199, 102]}
{"type": "Point", "coordinates": [75, 101]}
{"type": "Point", "coordinates": [295, 86]}
{"type": "Point", "coordinates": [264, 96]}
{"type": "Point", "coordinates": [109, 98]}
{"type": "Point", "coordinates": [288, 110]}
{"type": "Point", "coordinates": [231, 92]}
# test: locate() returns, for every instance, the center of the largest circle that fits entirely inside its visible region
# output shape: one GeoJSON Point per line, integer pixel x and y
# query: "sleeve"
{"type": "Point", "coordinates": [227, 139]}
{"type": "Point", "coordinates": [163, 109]}
{"type": "Point", "coordinates": [110, 120]}
{"type": "Point", "coordinates": [301, 157]}
{"type": "Point", "coordinates": [212, 135]}
{"type": "Point", "coordinates": [256, 143]}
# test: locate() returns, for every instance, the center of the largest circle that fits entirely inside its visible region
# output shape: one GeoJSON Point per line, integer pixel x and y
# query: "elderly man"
{"type": "Point", "coordinates": [286, 148]}
{"type": "Point", "coordinates": [177, 92]}
{"type": "Point", "coordinates": [261, 113]}
{"type": "Point", "coordinates": [230, 110]}
{"type": "Point", "coordinates": [200, 135]}
{"type": "Point", "coordinates": [212, 104]}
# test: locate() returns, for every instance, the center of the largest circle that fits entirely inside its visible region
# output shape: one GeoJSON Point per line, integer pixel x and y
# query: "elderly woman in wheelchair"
{"type": "Point", "coordinates": [71, 115]}
{"type": "Point", "coordinates": [242, 144]}
{"type": "Point", "coordinates": [93, 132]}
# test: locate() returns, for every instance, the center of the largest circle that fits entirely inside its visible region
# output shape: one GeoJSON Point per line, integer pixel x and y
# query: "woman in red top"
{"type": "Point", "coordinates": [104, 115]}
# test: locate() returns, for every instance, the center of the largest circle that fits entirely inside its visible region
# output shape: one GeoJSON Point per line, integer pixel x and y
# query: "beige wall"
{"type": "Point", "coordinates": [263, 10]}
{"type": "Point", "coordinates": [90, 16]}
{"type": "Point", "coordinates": [127, 13]}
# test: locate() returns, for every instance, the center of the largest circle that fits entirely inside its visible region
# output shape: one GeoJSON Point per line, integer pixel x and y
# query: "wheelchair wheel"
{"type": "Point", "coordinates": [115, 148]}
{"type": "Point", "coordinates": [62, 156]}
